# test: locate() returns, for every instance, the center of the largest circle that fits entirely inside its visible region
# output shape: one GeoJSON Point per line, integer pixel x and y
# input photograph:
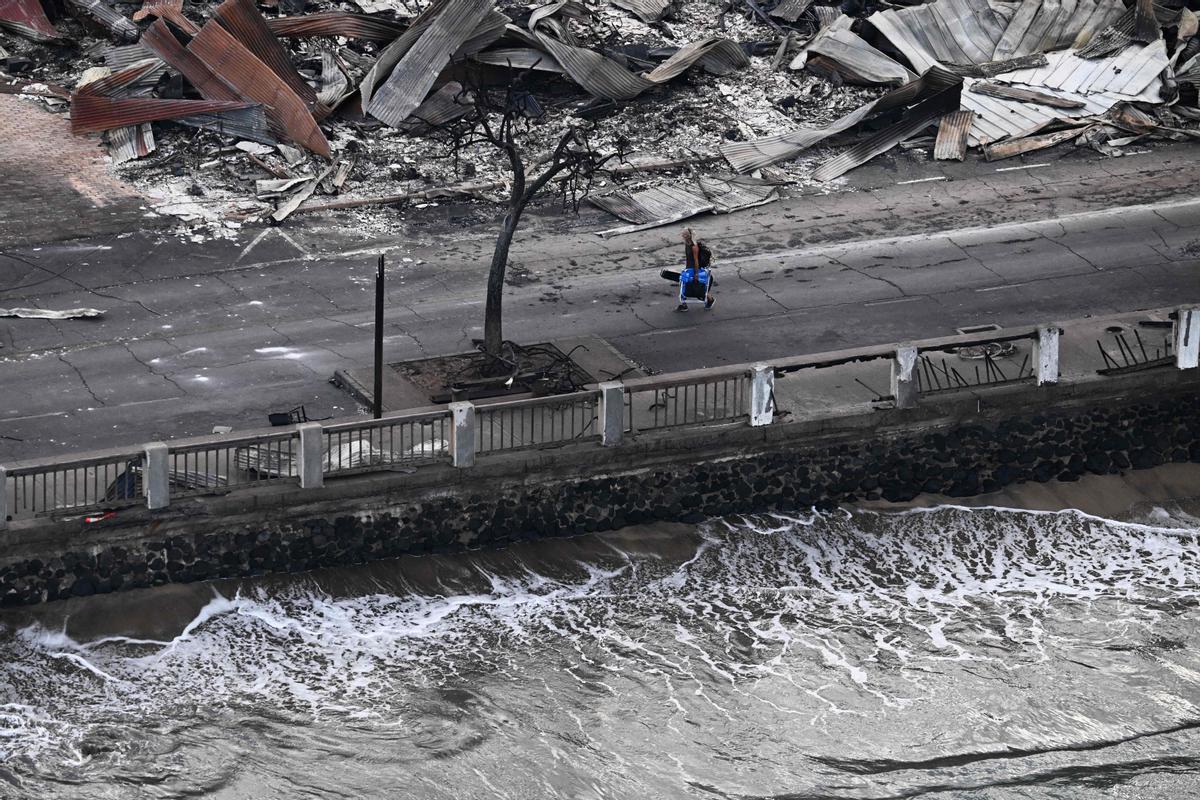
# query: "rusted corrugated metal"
{"type": "Point", "coordinates": [416, 72]}
{"type": "Point", "coordinates": [109, 17]}
{"type": "Point", "coordinates": [391, 55]}
{"type": "Point", "coordinates": [915, 120]}
{"type": "Point", "coordinates": [170, 10]}
{"type": "Point", "coordinates": [91, 113]}
{"type": "Point", "coordinates": [129, 143]}
{"type": "Point", "coordinates": [246, 123]}
{"type": "Point", "coordinates": [253, 80]}
{"type": "Point", "coordinates": [116, 83]}
{"type": "Point", "coordinates": [790, 10]}
{"type": "Point", "coordinates": [1025, 95]}
{"type": "Point", "coordinates": [747, 156]}
{"type": "Point", "coordinates": [1028, 144]}
{"type": "Point", "coordinates": [337, 23]}
{"type": "Point", "coordinates": [648, 11]}
{"type": "Point", "coordinates": [159, 39]}
{"type": "Point", "coordinates": [27, 18]}
{"type": "Point", "coordinates": [126, 55]}
{"type": "Point", "coordinates": [245, 24]}
{"type": "Point", "coordinates": [951, 143]}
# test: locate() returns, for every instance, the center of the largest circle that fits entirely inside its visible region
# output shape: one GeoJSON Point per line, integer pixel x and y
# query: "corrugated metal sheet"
{"type": "Point", "coordinates": [109, 17]}
{"type": "Point", "coordinates": [1130, 71]}
{"type": "Point", "coordinates": [27, 18]}
{"type": "Point", "coordinates": [1029, 144]}
{"type": "Point", "coordinates": [974, 32]}
{"type": "Point", "coordinates": [487, 32]}
{"type": "Point", "coordinates": [747, 156]}
{"type": "Point", "coordinates": [247, 123]}
{"type": "Point", "coordinates": [159, 39]}
{"type": "Point", "coordinates": [855, 60]}
{"type": "Point", "coordinates": [1025, 95]}
{"type": "Point", "coordinates": [716, 55]}
{"type": "Point", "coordinates": [915, 120]}
{"type": "Point", "coordinates": [121, 83]}
{"type": "Point", "coordinates": [598, 75]}
{"type": "Point", "coordinates": [253, 80]}
{"type": "Point", "coordinates": [337, 23]}
{"type": "Point", "coordinates": [170, 10]}
{"type": "Point", "coordinates": [648, 11]}
{"type": "Point", "coordinates": [735, 192]}
{"type": "Point", "coordinates": [519, 58]}
{"type": "Point", "coordinates": [243, 21]}
{"type": "Point", "coordinates": [391, 55]}
{"type": "Point", "coordinates": [129, 143]}
{"type": "Point", "coordinates": [445, 105]}
{"type": "Point", "coordinates": [91, 113]}
{"type": "Point", "coordinates": [951, 143]}
{"type": "Point", "coordinates": [650, 208]}
{"type": "Point", "coordinates": [334, 84]}
{"type": "Point", "coordinates": [997, 119]}
{"type": "Point", "coordinates": [416, 72]}
{"type": "Point", "coordinates": [126, 55]}
{"type": "Point", "coordinates": [790, 10]}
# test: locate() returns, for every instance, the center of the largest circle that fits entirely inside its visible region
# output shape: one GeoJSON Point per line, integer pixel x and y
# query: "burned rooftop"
{"type": "Point", "coordinates": [236, 112]}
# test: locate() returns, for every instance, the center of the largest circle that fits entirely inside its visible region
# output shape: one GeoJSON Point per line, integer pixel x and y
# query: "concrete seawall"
{"type": "Point", "coordinates": [959, 446]}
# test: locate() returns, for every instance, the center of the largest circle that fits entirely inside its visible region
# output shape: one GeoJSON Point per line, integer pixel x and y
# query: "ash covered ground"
{"type": "Point", "coordinates": [208, 182]}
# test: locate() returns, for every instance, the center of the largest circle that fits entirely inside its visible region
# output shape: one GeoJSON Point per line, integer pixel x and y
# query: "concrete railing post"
{"type": "Point", "coordinates": [1187, 338]}
{"type": "Point", "coordinates": [311, 464]}
{"type": "Point", "coordinates": [156, 475]}
{"type": "Point", "coordinates": [904, 379]}
{"type": "Point", "coordinates": [611, 413]}
{"type": "Point", "coordinates": [762, 395]}
{"type": "Point", "coordinates": [3, 498]}
{"type": "Point", "coordinates": [462, 434]}
{"type": "Point", "coordinates": [1047, 354]}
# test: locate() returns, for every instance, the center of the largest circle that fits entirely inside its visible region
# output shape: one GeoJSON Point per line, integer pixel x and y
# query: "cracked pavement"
{"type": "Point", "coordinates": [223, 332]}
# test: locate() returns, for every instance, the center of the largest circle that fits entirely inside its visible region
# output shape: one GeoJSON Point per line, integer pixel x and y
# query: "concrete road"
{"type": "Point", "coordinates": [224, 331]}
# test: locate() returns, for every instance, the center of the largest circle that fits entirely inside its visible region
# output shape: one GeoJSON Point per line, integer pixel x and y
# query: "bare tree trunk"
{"type": "Point", "coordinates": [493, 332]}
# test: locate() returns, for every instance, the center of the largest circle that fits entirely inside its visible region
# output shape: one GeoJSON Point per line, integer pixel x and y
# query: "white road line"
{"type": "Point", "coordinates": [922, 180]}
{"type": "Point", "coordinates": [896, 300]}
{"type": "Point", "coordinates": [998, 288]}
{"type": "Point", "coordinates": [1025, 166]}
{"type": "Point", "coordinates": [37, 416]}
{"type": "Point", "coordinates": [253, 243]}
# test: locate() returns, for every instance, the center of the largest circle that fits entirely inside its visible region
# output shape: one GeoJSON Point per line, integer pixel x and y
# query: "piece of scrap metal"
{"type": "Point", "coordinates": [1007, 92]}
{"type": "Point", "coordinates": [951, 142]}
{"type": "Point", "coordinates": [336, 23]}
{"type": "Point", "coordinates": [650, 208]}
{"type": "Point", "coordinates": [1028, 144]}
{"type": "Point", "coordinates": [43, 313]}
{"type": "Point", "coordinates": [244, 22]}
{"type": "Point", "coordinates": [758, 153]}
{"type": "Point", "coordinates": [116, 22]}
{"type": "Point", "coordinates": [27, 18]}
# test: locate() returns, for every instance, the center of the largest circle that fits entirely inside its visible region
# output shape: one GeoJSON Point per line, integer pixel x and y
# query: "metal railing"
{"type": "Point", "coordinates": [408, 440]}
{"type": "Point", "coordinates": [671, 402]}
{"type": "Point", "coordinates": [104, 481]}
{"type": "Point", "coordinates": [210, 467]}
{"type": "Point", "coordinates": [537, 422]}
{"type": "Point", "coordinates": [307, 453]}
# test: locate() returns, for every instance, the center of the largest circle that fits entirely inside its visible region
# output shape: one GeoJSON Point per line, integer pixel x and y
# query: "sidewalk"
{"type": "Point", "coordinates": [56, 186]}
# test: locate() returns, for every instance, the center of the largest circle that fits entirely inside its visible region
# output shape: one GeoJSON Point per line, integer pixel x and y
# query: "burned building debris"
{"type": "Point", "coordinates": [271, 108]}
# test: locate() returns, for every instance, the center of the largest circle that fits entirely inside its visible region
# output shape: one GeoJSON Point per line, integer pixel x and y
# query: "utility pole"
{"type": "Point", "coordinates": [379, 340]}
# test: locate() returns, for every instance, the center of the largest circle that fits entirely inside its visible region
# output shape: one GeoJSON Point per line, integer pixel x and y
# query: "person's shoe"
{"type": "Point", "coordinates": [709, 302]}
{"type": "Point", "coordinates": [681, 307]}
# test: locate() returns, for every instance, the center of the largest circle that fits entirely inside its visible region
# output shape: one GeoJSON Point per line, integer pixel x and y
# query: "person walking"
{"type": "Point", "coordinates": [696, 280]}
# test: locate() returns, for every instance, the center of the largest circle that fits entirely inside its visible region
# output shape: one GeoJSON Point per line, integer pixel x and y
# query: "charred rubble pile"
{"type": "Point", "coordinates": [240, 111]}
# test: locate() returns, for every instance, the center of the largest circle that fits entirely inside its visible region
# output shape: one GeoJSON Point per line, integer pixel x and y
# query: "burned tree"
{"type": "Point", "coordinates": [508, 121]}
